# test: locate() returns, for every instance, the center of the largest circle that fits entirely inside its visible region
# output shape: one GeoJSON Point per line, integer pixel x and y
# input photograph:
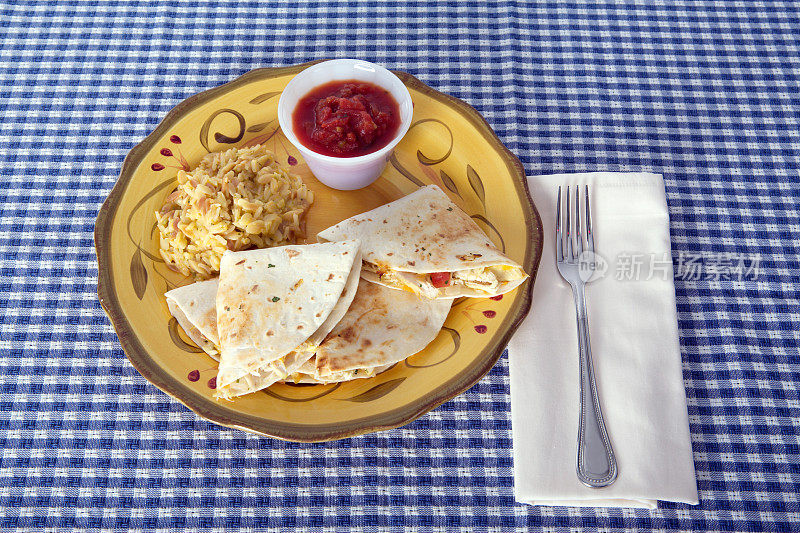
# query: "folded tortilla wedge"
{"type": "Point", "coordinates": [425, 244]}
{"type": "Point", "coordinates": [275, 305]}
{"type": "Point", "coordinates": [194, 306]}
{"type": "Point", "coordinates": [382, 327]}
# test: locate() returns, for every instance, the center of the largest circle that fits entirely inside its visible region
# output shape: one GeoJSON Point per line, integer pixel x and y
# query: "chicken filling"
{"type": "Point", "coordinates": [301, 377]}
{"type": "Point", "coordinates": [484, 279]}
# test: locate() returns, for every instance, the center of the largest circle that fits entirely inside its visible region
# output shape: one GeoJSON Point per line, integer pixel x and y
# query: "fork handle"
{"type": "Point", "coordinates": [596, 466]}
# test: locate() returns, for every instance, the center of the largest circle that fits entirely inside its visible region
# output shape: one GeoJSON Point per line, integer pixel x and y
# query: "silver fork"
{"type": "Point", "coordinates": [596, 466]}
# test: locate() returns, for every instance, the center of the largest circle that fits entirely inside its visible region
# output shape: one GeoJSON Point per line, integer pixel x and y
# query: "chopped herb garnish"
{"type": "Point", "coordinates": [270, 265]}
{"type": "Point", "coordinates": [423, 248]}
{"type": "Point", "coordinates": [449, 208]}
{"type": "Point", "coordinates": [275, 298]}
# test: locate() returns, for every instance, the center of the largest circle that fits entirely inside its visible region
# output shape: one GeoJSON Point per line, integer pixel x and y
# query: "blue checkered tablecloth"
{"type": "Point", "coordinates": [704, 92]}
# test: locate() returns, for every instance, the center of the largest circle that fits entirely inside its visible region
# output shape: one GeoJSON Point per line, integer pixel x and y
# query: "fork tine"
{"type": "Point", "coordinates": [578, 233]}
{"type": "Point", "coordinates": [559, 254]}
{"type": "Point", "coordinates": [569, 227]}
{"type": "Point", "coordinates": [589, 232]}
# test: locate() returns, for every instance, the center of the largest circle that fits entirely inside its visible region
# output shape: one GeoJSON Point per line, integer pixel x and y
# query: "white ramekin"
{"type": "Point", "coordinates": [344, 173]}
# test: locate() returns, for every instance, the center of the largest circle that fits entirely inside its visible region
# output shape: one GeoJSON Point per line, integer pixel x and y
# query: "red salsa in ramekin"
{"type": "Point", "coordinates": [346, 118]}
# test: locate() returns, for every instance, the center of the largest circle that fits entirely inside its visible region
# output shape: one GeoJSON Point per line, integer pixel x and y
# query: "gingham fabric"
{"type": "Point", "coordinates": [705, 93]}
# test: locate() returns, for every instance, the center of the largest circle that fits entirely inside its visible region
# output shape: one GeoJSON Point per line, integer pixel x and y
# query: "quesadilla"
{"type": "Point", "coordinates": [194, 307]}
{"type": "Point", "coordinates": [275, 305]}
{"type": "Point", "coordinates": [199, 321]}
{"type": "Point", "coordinates": [425, 244]}
{"type": "Point", "coordinates": [381, 327]}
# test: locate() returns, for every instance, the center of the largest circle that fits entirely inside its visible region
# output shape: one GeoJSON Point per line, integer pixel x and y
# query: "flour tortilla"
{"type": "Point", "coordinates": [425, 232]}
{"type": "Point", "coordinates": [310, 379]}
{"type": "Point", "coordinates": [292, 363]}
{"type": "Point", "coordinates": [194, 307]}
{"type": "Point", "coordinates": [305, 374]}
{"type": "Point", "coordinates": [381, 327]}
{"type": "Point", "coordinates": [275, 305]}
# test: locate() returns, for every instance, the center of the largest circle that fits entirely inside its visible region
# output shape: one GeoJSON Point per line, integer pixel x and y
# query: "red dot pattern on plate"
{"type": "Point", "coordinates": [194, 375]}
{"type": "Point", "coordinates": [157, 166]}
{"type": "Point", "coordinates": [498, 297]}
{"type": "Point", "coordinates": [175, 139]}
{"type": "Point", "coordinates": [166, 152]}
{"type": "Point", "coordinates": [481, 328]}
{"type": "Point", "coordinates": [212, 383]}
{"type": "Point", "coordinates": [490, 314]}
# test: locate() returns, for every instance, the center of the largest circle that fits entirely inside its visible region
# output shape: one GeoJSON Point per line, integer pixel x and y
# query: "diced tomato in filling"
{"type": "Point", "coordinates": [440, 279]}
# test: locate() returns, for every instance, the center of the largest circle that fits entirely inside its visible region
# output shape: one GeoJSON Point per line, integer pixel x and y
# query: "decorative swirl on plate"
{"type": "Point", "coordinates": [277, 396]}
{"type": "Point", "coordinates": [155, 190]}
{"type": "Point", "coordinates": [261, 98]}
{"type": "Point", "coordinates": [404, 171]}
{"type": "Point", "coordinates": [255, 128]}
{"type": "Point", "coordinates": [489, 225]}
{"type": "Point", "coordinates": [175, 336]}
{"type": "Point", "coordinates": [219, 137]}
{"type": "Point", "coordinates": [137, 270]}
{"type": "Point", "coordinates": [425, 160]}
{"type": "Point", "coordinates": [265, 137]}
{"type": "Point", "coordinates": [455, 336]}
{"type": "Point", "coordinates": [138, 273]}
{"type": "Point", "coordinates": [477, 185]}
{"type": "Point", "coordinates": [168, 285]}
{"type": "Point", "coordinates": [378, 391]}
{"type": "Point", "coordinates": [448, 182]}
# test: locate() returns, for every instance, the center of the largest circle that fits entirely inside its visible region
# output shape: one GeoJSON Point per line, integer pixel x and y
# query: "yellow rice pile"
{"type": "Point", "coordinates": [232, 200]}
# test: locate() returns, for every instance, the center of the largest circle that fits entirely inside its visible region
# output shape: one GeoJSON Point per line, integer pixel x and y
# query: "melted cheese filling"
{"type": "Point", "coordinates": [299, 377]}
{"type": "Point", "coordinates": [484, 279]}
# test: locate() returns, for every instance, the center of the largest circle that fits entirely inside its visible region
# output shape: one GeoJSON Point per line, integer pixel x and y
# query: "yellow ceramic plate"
{"type": "Point", "coordinates": [449, 144]}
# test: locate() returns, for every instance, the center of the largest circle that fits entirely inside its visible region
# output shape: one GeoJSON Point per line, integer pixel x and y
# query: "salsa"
{"type": "Point", "coordinates": [346, 118]}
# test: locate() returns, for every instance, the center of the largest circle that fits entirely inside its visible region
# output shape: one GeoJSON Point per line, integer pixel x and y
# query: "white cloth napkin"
{"type": "Point", "coordinates": [636, 356]}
